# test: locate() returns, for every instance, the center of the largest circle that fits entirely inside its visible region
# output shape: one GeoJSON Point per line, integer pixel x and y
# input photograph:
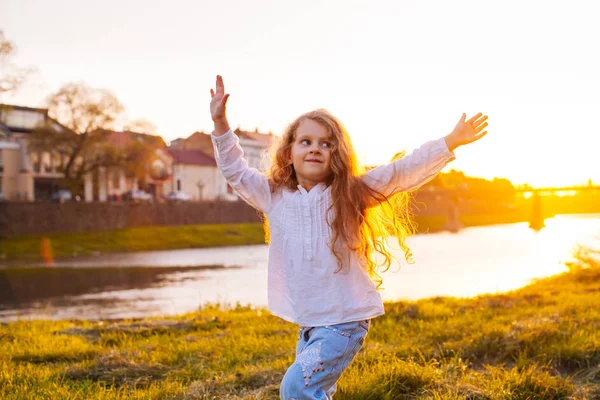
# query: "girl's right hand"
{"type": "Point", "coordinates": [219, 101]}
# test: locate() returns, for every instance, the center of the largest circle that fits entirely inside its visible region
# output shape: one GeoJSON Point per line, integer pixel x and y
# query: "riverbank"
{"type": "Point", "coordinates": [539, 342]}
{"type": "Point", "coordinates": [66, 245]}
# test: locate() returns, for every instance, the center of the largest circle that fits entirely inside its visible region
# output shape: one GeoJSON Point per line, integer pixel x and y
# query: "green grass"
{"type": "Point", "coordinates": [538, 342]}
{"type": "Point", "coordinates": [28, 248]}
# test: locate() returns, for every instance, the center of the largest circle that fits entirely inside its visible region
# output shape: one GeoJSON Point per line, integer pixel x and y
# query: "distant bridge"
{"type": "Point", "coordinates": [562, 189]}
{"type": "Point", "coordinates": [537, 217]}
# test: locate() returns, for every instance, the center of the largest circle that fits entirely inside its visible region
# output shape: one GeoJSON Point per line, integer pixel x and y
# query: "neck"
{"type": "Point", "coordinates": [308, 184]}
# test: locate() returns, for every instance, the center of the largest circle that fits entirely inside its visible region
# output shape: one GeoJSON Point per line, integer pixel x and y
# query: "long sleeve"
{"type": "Point", "coordinates": [249, 183]}
{"type": "Point", "coordinates": [412, 171]}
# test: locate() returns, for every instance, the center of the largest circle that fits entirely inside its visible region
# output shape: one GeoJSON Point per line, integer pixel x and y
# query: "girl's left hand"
{"type": "Point", "coordinates": [467, 131]}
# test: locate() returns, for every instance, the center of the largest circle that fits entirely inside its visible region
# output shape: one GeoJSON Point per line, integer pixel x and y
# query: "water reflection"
{"type": "Point", "coordinates": [473, 261]}
{"type": "Point", "coordinates": [489, 259]}
{"type": "Point", "coordinates": [68, 291]}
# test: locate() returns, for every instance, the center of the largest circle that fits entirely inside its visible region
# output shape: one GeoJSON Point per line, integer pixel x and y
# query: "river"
{"type": "Point", "coordinates": [473, 261]}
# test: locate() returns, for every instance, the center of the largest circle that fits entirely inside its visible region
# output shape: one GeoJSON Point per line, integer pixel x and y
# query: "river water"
{"type": "Point", "coordinates": [473, 261]}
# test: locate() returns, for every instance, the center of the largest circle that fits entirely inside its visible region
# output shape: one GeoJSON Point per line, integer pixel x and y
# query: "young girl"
{"type": "Point", "coordinates": [326, 218]}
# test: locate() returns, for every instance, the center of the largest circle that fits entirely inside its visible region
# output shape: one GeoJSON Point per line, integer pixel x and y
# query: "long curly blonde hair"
{"type": "Point", "coordinates": [363, 217]}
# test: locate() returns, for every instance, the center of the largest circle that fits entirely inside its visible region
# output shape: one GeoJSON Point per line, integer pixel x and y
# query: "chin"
{"type": "Point", "coordinates": [314, 177]}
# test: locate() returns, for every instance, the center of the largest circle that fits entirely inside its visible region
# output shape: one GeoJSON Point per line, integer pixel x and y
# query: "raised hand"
{"type": "Point", "coordinates": [219, 100]}
{"type": "Point", "coordinates": [467, 131]}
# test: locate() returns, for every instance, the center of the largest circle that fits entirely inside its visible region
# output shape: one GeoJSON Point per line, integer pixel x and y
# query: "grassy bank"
{"type": "Point", "coordinates": [64, 245]}
{"type": "Point", "coordinates": [539, 342]}
{"type": "Point", "coordinates": [28, 248]}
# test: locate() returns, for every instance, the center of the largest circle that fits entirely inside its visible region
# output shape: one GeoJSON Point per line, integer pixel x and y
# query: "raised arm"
{"type": "Point", "coordinates": [415, 170]}
{"type": "Point", "coordinates": [412, 171]}
{"type": "Point", "coordinates": [249, 183]}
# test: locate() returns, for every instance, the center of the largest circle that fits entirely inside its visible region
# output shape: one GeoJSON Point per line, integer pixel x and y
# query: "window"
{"type": "Point", "coordinates": [57, 161]}
{"type": "Point", "coordinates": [47, 161]}
{"type": "Point", "coordinates": [116, 181]}
{"type": "Point", "coordinates": [35, 160]}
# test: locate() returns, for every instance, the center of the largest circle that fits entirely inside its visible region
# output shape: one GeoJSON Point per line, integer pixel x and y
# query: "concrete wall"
{"type": "Point", "coordinates": [18, 219]}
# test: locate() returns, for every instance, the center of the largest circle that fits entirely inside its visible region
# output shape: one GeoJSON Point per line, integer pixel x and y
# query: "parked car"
{"type": "Point", "coordinates": [62, 196]}
{"type": "Point", "coordinates": [178, 195]}
{"type": "Point", "coordinates": [137, 195]}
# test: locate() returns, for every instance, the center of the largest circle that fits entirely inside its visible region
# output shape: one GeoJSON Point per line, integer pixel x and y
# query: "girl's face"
{"type": "Point", "coordinates": [311, 153]}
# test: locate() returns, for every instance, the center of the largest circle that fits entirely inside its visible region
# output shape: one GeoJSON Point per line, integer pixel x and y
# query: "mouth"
{"type": "Point", "coordinates": [314, 161]}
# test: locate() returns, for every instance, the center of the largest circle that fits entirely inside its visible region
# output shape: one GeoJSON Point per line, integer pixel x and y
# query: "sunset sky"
{"type": "Point", "coordinates": [397, 73]}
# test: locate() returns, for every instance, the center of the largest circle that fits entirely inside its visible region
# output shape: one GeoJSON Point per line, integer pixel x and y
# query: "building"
{"type": "Point", "coordinates": [188, 165]}
{"type": "Point", "coordinates": [196, 174]}
{"type": "Point", "coordinates": [27, 175]}
{"type": "Point", "coordinates": [153, 172]}
{"type": "Point", "coordinates": [195, 171]}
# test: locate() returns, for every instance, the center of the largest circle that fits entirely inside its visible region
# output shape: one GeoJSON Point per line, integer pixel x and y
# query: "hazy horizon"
{"type": "Point", "coordinates": [397, 74]}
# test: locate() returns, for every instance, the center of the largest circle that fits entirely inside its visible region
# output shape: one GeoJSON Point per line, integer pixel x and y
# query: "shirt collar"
{"type": "Point", "coordinates": [318, 188]}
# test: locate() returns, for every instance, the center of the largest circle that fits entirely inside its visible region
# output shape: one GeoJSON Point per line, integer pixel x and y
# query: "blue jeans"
{"type": "Point", "coordinates": [322, 354]}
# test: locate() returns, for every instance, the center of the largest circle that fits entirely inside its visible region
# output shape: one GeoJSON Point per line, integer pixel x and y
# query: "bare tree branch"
{"type": "Point", "coordinates": [11, 76]}
{"type": "Point", "coordinates": [90, 114]}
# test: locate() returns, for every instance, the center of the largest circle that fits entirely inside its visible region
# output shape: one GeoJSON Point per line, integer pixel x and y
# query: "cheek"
{"type": "Point", "coordinates": [294, 153]}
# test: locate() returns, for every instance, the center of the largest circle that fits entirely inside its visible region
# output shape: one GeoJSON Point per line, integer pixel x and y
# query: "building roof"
{"type": "Point", "coordinates": [193, 139]}
{"type": "Point", "coordinates": [200, 141]}
{"type": "Point", "coordinates": [191, 157]}
{"type": "Point", "coordinates": [24, 108]}
{"type": "Point", "coordinates": [175, 142]}
{"type": "Point", "coordinates": [266, 138]}
{"type": "Point", "coordinates": [37, 116]}
{"type": "Point", "coordinates": [122, 139]}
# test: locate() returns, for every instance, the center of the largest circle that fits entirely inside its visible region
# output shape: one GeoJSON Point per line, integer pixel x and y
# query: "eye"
{"type": "Point", "coordinates": [326, 144]}
{"type": "Point", "coordinates": [305, 141]}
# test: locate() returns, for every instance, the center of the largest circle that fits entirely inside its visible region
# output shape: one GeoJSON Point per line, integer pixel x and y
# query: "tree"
{"type": "Point", "coordinates": [139, 156]}
{"type": "Point", "coordinates": [11, 76]}
{"type": "Point", "coordinates": [88, 113]}
{"type": "Point", "coordinates": [141, 126]}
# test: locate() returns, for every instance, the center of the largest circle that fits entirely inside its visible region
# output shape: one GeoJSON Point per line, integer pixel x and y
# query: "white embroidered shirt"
{"type": "Point", "coordinates": [302, 286]}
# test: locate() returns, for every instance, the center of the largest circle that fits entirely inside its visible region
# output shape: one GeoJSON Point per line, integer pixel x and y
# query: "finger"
{"type": "Point", "coordinates": [225, 99]}
{"type": "Point", "coordinates": [220, 85]}
{"type": "Point", "coordinates": [480, 120]}
{"type": "Point", "coordinates": [480, 128]}
{"type": "Point", "coordinates": [470, 121]}
{"type": "Point", "coordinates": [482, 134]}
{"type": "Point", "coordinates": [462, 119]}
{"type": "Point", "coordinates": [212, 93]}
{"type": "Point", "coordinates": [474, 118]}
